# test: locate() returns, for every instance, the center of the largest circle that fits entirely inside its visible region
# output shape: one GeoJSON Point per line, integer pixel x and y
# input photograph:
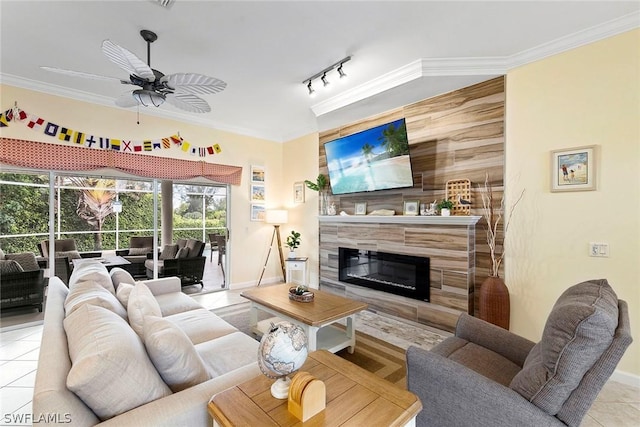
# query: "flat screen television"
{"type": "Point", "coordinates": [373, 159]}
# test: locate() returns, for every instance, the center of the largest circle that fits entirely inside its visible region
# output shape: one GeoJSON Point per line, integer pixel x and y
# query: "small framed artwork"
{"type": "Point", "coordinates": [574, 169]}
{"type": "Point", "coordinates": [298, 192]}
{"type": "Point", "coordinates": [257, 192]}
{"type": "Point", "coordinates": [411, 207]}
{"type": "Point", "coordinates": [257, 212]}
{"type": "Point", "coordinates": [257, 174]}
{"type": "Point", "coordinates": [361, 208]}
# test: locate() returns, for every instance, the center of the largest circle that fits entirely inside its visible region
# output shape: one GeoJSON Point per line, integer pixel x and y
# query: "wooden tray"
{"type": "Point", "coordinates": [462, 188]}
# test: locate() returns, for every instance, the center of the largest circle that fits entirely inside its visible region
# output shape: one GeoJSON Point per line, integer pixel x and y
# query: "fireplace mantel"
{"type": "Point", "coordinates": [401, 219]}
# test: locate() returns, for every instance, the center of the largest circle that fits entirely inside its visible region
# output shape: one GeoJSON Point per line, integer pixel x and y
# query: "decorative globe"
{"type": "Point", "coordinates": [282, 350]}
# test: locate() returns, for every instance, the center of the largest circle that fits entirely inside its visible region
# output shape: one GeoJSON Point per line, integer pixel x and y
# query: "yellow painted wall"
{"type": "Point", "coordinates": [237, 150]}
{"type": "Point", "coordinates": [300, 162]}
{"type": "Point", "coordinates": [587, 96]}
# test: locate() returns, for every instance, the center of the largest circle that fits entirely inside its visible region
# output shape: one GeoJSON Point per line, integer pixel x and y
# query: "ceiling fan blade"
{"type": "Point", "coordinates": [126, 100]}
{"type": "Point", "coordinates": [127, 60]}
{"type": "Point", "coordinates": [193, 83]}
{"type": "Point", "coordinates": [85, 75]}
{"type": "Point", "coordinates": [188, 102]}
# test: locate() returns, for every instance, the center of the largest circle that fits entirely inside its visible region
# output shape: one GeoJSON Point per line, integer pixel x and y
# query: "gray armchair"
{"type": "Point", "coordinates": [485, 375]}
{"type": "Point", "coordinates": [183, 260]}
{"type": "Point", "coordinates": [21, 281]}
{"type": "Point", "coordinates": [137, 254]}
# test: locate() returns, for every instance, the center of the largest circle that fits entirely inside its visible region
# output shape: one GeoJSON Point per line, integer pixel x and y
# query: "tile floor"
{"type": "Point", "coordinates": [618, 405]}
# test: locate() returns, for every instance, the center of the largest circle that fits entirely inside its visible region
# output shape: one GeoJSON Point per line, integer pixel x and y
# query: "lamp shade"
{"type": "Point", "coordinates": [277, 216]}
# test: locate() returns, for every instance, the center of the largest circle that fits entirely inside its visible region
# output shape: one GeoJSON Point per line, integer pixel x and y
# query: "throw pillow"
{"type": "Point", "coordinates": [110, 369]}
{"type": "Point", "coordinates": [139, 251]}
{"type": "Point", "coordinates": [120, 275]}
{"type": "Point", "coordinates": [123, 292]}
{"type": "Point", "coordinates": [579, 329]}
{"type": "Point", "coordinates": [182, 253]}
{"type": "Point", "coordinates": [89, 292]}
{"type": "Point", "coordinates": [27, 260]}
{"type": "Point", "coordinates": [142, 303]}
{"type": "Point", "coordinates": [94, 271]}
{"type": "Point", "coordinates": [169, 252]}
{"type": "Point", "coordinates": [8, 266]}
{"type": "Point", "coordinates": [173, 354]}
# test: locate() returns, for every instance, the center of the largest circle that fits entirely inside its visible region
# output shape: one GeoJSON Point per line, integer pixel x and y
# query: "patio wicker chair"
{"type": "Point", "coordinates": [188, 263]}
{"type": "Point", "coordinates": [21, 281]}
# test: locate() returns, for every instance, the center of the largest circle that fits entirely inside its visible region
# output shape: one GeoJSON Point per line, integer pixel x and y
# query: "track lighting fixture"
{"type": "Point", "coordinates": [323, 75]}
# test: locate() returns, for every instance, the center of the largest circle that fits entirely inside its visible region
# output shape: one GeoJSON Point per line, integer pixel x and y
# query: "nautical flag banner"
{"type": "Point", "coordinates": [77, 137]}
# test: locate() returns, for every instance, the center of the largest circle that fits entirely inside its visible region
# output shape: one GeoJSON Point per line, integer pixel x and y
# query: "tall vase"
{"type": "Point", "coordinates": [494, 302]}
{"type": "Point", "coordinates": [324, 202]}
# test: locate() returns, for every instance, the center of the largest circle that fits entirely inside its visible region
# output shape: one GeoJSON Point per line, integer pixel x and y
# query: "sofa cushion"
{"type": "Point", "coordinates": [140, 251]}
{"type": "Point", "coordinates": [89, 292]}
{"type": "Point", "coordinates": [201, 325]}
{"type": "Point", "coordinates": [123, 292]}
{"type": "Point", "coordinates": [173, 354]}
{"type": "Point", "coordinates": [228, 353]}
{"type": "Point", "coordinates": [169, 252]}
{"type": "Point", "coordinates": [8, 266]}
{"type": "Point", "coordinates": [27, 260]}
{"type": "Point", "coordinates": [92, 270]}
{"type": "Point", "coordinates": [176, 302]}
{"type": "Point", "coordinates": [142, 303]}
{"type": "Point", "coordinates": [120, 275]}
{"type": "Point", "coordinates": [182, 253]}
{"type": "Point", "coordinates": [1, 254]}
{"type": "Point", "coordinates": [578, 330]}
{"type": "Point", "coordinates": [103, 349]}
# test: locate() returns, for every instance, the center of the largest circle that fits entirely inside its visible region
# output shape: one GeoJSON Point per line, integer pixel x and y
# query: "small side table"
{"type": "Point", "coordinates": [296, 264]}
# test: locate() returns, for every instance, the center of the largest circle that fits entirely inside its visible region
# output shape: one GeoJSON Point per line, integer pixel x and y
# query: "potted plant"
{"type": "Point", "coordinates": [293, 241]}
{"type": "Point", "coordinates": [445, 206]}
{"type": "Point", "coordinates": [320, 186]}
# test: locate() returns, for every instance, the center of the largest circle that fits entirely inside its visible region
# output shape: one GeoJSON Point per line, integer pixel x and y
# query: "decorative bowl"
{"type": "Point", "coordinates": [304, 297]}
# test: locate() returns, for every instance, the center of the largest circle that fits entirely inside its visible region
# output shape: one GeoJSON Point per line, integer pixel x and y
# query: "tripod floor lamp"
{"type": "Point", "coordinates": [276, 217]}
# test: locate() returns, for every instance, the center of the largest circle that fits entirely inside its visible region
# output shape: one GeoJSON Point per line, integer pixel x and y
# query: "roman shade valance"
{"type": "Point", "coordinates": [41, 155]}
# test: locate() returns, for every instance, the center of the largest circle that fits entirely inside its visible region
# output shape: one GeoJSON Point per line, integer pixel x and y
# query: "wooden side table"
{"type": "Point", "coordinates": [354, 397]}
{"type": "Point", "coordinates": [296, 264]}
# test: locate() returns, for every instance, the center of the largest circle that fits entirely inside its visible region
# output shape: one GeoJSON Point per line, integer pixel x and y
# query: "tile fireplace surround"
{"type": "Point", "coordinates": [449, 242]}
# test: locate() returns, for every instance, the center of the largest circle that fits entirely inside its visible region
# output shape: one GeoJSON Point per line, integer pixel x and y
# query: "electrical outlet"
{"type": "Point", "coordinates": [598, 249]}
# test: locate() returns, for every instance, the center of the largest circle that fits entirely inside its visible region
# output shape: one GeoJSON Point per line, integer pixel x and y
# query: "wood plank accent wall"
{"type": "Point", "coordinates": [457, 135]}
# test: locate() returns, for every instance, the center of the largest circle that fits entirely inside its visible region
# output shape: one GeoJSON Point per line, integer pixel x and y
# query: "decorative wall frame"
{"type": "Point", "coordinates": [411, 207]}
{"type": "Point", "coordinates": [574, 169]}
{"type": "Point", "coordinates": [257, 212]}
{"type": "Point", "coordinates": [298, 192]}
{"type": "Point", "coordinates": [257, 193]}
{"type": "Point", "coordinates": [257, 174]}
{"type": "Point", "coordinates": [360, 208]}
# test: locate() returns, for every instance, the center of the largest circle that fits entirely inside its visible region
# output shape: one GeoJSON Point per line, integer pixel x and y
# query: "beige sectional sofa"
{"type": "Point", "coordinates": [116, 352]}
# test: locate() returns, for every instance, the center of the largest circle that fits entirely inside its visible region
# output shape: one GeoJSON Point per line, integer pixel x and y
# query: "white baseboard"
{"type": "Point", "coordinates": [626, 378]}
{"type": "Point", "coordinates": [253, 283]}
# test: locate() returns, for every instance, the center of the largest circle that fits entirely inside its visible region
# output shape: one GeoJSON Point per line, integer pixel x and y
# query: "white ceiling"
{"type": "Point", "coordinates": [401, 51]}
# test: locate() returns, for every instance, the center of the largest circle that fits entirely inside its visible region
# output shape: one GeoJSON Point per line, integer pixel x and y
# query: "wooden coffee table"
{"type": "Point", "coordinates": [315, 317]}
{"type": "Point", "coordinates": [355, 397]}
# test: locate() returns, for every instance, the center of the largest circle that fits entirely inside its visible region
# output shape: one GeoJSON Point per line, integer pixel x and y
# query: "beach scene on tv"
{"type": "Point", "coordinates": [374, 159]}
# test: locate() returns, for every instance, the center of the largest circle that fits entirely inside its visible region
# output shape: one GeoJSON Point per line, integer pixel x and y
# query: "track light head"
{"type": "Point", "coordinates": [341, 73]}
{"type": "Point", "coordinates": [312, 92]}
{"type": "Point", "coordinates": [325, 82]}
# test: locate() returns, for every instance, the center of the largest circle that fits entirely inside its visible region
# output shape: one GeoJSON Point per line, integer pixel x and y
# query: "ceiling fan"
{"type": "Point", "coordinates": [178, 89]}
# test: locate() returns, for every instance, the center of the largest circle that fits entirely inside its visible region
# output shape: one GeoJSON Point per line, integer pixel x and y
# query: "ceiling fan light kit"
{"type": "Point", "coordinates": [308, 82]}
{"type": "Point", "coordinates": [177, 89]}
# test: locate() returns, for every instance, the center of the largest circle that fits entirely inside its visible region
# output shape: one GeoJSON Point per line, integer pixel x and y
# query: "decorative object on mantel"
{"type": "Point", "coordinates": [321, 187]}
{"type": "Point", "coordinates": [382, 212]}
{"type": "Point", "coordinates": [494, 304]}
{"type": "Point", "coordinates": [445, 207]}
{"type": "Point", "coordinates": [282, 351]}
{"type": "Point", "coordinates": [293, 241]}
{"type": "Point", "coordinates": [301, 294]}
{"type": "Point", "coordinates": [331, 210]}
{"type": "Point", "coordinates": [459, 192]}
{"type": "Point", "coordinates": [360, 208]}
{"type": "Point", "coordinates": [79, 138]}
{"type": "Point", "coordinates": [410, 207]}
{"type": "Point", "coordinates": [432, 210]}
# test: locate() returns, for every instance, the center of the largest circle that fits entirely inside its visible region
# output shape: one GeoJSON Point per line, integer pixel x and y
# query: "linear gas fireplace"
{"type": "Point", "coordinates": [398, 274]}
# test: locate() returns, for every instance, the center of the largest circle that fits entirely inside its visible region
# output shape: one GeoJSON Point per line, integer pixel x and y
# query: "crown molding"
{"type": "Point", "coordinates": [475, 66]}
{"type": "Point", "coordinates": [106, 101]}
